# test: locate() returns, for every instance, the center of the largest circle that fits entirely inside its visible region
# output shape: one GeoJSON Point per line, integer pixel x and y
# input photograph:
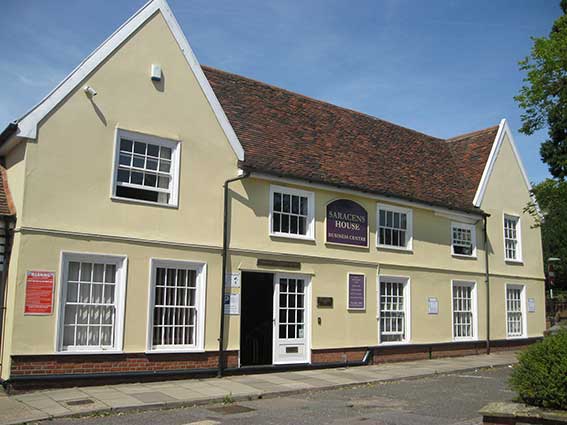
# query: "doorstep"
{"type": "Point", "coordinates": [46, 404]}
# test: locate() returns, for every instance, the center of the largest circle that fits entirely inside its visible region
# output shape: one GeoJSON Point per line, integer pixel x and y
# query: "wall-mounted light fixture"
{"type": "Point", "coordinates": [89, 91]}
{"type": "Point", "coordinates": [155, 72]}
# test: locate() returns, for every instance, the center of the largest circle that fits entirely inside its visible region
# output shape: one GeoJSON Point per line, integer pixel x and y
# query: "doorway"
{"type": "Point", "coordinates": [256, 319]}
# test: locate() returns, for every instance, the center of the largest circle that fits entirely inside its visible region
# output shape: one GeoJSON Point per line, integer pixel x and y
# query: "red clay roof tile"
{"type": "Point", "coordinates": [288, 134]}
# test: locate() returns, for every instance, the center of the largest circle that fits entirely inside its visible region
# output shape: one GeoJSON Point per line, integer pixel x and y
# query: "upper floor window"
{"type": "Point", "coordinates": [463, 239]}
{"type": "Point", "coordinates": [512, 238]}
{"type": "Point", "coordinates": [394, 227]}
{"type": "Point", "coordinates": [291, 212]}
{"type": "Point", "coordinates": [92, 302]}
{"type": "Point", "coordinates": [146, 168]}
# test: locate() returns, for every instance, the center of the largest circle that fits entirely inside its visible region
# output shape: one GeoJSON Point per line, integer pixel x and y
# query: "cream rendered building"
{"type": "Point", "coordinates": [349, 239]}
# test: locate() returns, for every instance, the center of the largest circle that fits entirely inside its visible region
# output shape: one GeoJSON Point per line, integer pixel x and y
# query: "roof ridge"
{"type": "Point", "coordinates": [312, 99]}
{"type": "Point", "coordinates": [470, 133]}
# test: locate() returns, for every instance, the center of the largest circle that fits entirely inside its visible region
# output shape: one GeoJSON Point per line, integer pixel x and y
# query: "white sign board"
{"type": "Point", "coordinates": [531, 305]}
{"type": "Point", "coordinates": [432, 305]}
{"type": "Point", "coordinates": [232, 294]}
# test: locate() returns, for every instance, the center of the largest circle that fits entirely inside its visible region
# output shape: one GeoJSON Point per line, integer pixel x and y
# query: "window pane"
{"type": "Point", "coordinates": [139, 148]}
{"type": "Point", "coordinates": [126, 145]}
{"type": "Point", "coordinates": [153, 150]}
{"type": "Point", "coordinates": [165, 152]}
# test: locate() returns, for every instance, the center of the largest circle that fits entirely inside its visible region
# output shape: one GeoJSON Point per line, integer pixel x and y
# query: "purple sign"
{"type": "Point", "coordinates": [356, 292]}
{"type": "Point", "coordinates": [347, 223]}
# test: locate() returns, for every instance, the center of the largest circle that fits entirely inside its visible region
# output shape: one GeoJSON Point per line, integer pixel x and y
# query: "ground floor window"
{"type": "Point", "coordinates": [515, 313]}
{"type": "Point", "coordinates": [393, 309]}
{"type": "Point", "coordinates": [92, 302]}
{"type": "Point", "coordinates": [177, 305]}
{"type": "Point", "coordinates": [464, 310]}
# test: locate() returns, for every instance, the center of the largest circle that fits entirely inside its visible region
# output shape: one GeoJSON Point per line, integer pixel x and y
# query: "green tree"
{"type": "Point", "coordinates": [544, 94]}
{"type": "Point", "coordinates": [551, 196]}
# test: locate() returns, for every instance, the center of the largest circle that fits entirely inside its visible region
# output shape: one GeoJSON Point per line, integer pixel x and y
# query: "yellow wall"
{"type": "Point", "coordinates": [64, 184]}
{"type": "Point", "coordinates": [507, 193]}
{"type": "Point", "coordinates": [69, 169]}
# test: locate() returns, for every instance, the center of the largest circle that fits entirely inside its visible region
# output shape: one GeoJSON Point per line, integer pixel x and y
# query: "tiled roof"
{"type": "Point", "coordinates": [6, 203]}
{"type": "Point", "coordinates": [291, 135]}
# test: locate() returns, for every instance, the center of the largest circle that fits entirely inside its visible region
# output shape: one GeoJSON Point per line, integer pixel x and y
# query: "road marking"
{"type": "Point", "coordinates": [475, 376]}
{"type": "Point", "coordinates": [207, 422]}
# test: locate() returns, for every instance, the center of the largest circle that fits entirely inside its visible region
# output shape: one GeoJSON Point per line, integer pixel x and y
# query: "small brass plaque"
{"type": "Point", "coordinates": [325, 302]}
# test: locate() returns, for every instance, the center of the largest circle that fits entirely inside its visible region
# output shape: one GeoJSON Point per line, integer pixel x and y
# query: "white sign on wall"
{"type": "Point", "coordinates": [432, 305]}
{"type": "Point", "coordinates": [531, 305]}
{"type": "Point", "coordinates": [232, 294]}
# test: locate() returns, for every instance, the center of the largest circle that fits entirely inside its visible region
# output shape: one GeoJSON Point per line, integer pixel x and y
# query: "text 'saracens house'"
{"type": "Point", "coordinates": [348, 238]}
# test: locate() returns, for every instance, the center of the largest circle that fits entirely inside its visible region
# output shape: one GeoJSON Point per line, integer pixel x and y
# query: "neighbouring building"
{"type": "Point", "coordinates": [349, 238]}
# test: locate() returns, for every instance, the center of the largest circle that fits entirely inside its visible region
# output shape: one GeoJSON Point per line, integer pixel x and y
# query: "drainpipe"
{"type": "Point", "coordinates": [487, 280]}
{"type": "Point", "coordinates": [224, 261]}
{"type": "Point", "coordinates": [8, 220]}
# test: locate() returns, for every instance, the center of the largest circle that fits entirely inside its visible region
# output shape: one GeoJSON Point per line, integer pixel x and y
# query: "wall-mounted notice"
{"type": "Point", "coordinates": [39, 292]}
{"type": "Point", "coordinates": [432, 305]}
{"type": "Point", "coordinates": [356, 291]}
{"type": "Point", "coordinates": [347, 223]}
{"type": "Point", "coordinates": [232, 294]}
{"type": "Point", "coordinates": [531, 305]}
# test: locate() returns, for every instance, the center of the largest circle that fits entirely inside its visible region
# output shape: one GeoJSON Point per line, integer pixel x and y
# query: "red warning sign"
{"type": "Point", "coordinates": [39, 292]}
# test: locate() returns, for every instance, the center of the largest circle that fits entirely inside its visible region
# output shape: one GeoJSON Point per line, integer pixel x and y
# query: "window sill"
{"type": "Point", "coordinates": [88, 352]}
{"type": "Point", "coordinates": [142, 202]}
{"type": "Point", "coordinates": [291, 236]}
{"type": "Point", "coordinates": [514, 262]}
{"type": "Point", "coordinates": [462, 256]}
{"type": "Point", "coordinates": [394, 248]}
{"type": "Point", "coordinates": [394, 343]}
{"type": "Point", "coordinates": [175, 350]}
{"type": "Point", "coordinates": [473, 339]}
{"type": "Point", "coordinates": [516, 337]}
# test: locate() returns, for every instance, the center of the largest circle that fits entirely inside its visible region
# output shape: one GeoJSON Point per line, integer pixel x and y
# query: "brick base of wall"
{"type": "Point", "coordinates": [94, 369]}
{"type": "Point", "coordinates": [397, 353]}
{"type": "Point", "coordinates": [35, 371]}
{"type": "Point", "coordinates": [338, 355]}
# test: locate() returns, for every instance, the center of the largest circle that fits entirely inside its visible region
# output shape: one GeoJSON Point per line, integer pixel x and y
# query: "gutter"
{"type": "Point", "coordinates": [225, 247]}
{"type": "Point", "coordinates": [8, 220]}
{"type": "Point", "coordinates": [487, 280]}
{"type": "Point", "coordinates": [361, 192]}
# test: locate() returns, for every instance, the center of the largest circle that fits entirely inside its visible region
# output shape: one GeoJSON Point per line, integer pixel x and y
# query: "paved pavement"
{"type": "Point", "coordinates": [49, 404]}
{"type": "Point", "coordinates": [446, 399]}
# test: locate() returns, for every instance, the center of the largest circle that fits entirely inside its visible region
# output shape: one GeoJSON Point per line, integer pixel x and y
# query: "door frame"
{"type": "Point", "coordinates": [307, 316]}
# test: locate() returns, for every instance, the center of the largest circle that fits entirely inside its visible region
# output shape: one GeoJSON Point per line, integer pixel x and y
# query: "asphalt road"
{"type": "Point", "coordinates": [438, 400]}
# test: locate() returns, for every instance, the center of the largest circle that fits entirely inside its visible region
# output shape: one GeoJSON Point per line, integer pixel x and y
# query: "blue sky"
{"type": "Point", "coordinates": [443, 67]}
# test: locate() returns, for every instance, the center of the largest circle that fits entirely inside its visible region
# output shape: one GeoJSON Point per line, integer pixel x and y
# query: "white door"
{"type": "Point", "coordinates": [291, 319]}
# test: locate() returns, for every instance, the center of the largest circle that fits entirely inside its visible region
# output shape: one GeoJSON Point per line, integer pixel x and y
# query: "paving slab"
{"type": "Point", "coordinates": [47, 404]}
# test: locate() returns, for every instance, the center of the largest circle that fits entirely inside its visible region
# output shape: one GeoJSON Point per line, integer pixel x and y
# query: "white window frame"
{"type": "Point", "coordinates": [474, 306]}
{"type": "Point", "coordinates": [406, 281]}
{"type": "Point", "coordinates": [121, 262]}
{"type": "Point", "coordinates": [472, 229]}
{"type": "Point", "coordinates": [310, 234]}
{"type": "Point", "coordinates": [174, 145]}
{"type": "Point", "coordinates": [522, 288]}
{"type": "Point", "coordinates": [518, 258]}
{"type": "Point", "coordinates": [201, 284]}
{"type": "Point", "coordinates": [409, 224]}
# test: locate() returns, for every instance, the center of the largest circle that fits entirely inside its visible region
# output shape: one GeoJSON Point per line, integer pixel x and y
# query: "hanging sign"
{"type": "Point", "coordinates": [39, 292]}
{"type": "Point", "coordinates": [347, 223]}
{"type": "Point", "coordinates": [356, 291]}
